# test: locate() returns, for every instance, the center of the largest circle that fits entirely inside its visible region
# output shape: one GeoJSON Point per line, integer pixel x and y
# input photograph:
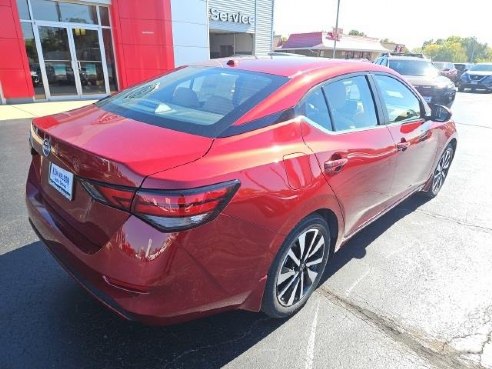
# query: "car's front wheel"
{"type": "Point", "coordinates": [440, 173]}
{"type": "Point", "coordinates": [297, 268]}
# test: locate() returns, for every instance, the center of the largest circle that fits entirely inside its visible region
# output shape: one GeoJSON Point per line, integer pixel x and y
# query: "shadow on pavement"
{"type": "Point", "coordinates": [48, 321]}
{"type": "Point", "coordinates": [355, 248]}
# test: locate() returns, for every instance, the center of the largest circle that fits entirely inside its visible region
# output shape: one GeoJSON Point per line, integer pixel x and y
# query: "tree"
{"type": "Point", "coordinates": [456, 49]}
{"type": "Point", "coordinates": [354, 32]}
{"type": "Point", "coordinates": [475, 50]}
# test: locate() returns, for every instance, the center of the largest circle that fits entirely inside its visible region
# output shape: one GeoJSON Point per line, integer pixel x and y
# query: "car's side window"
{"type": "Point", "coordinates": [400, 102]}
{"type": "Point", "coordinates": [313, 106]}
{"type": "Point", "coordinates": [351, 104]}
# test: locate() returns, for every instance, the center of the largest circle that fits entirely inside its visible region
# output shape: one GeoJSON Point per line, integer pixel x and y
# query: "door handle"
{"type": "Point", "coordinates": [403, 145]}
{"type": "Point", "coordinates": [334, 166]}
{"type": "Point", "coordinates": [424, 136]}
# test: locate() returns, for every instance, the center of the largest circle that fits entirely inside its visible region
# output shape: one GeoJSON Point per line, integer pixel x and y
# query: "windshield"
{"type": "Point", "coordinates": [414, 68]}
{"type": "Point", "coordinates": [443, 65]}
{"type": "Point", "coordinates": [482, 68]}
{"type": "Point", "coordinates": [198, 100]}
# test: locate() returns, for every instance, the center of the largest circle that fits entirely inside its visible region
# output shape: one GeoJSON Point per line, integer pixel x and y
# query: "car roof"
{"type": "Point", "coordinates": [408, 58]}
{"type": "Point", "coordinates": [293, 66]}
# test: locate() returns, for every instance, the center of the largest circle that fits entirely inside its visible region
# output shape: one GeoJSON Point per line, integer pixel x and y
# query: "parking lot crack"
{"type": "Point", "coordinates": [438, 352]}
{"type": "Point", "coordinates": [486, 357]}
{"type": "Point", "coordinates": [232, 340]}
{"type": "Point", "coordinates": [477, 345]}
{"type": "Point", "coordinates": [473, 125]}
{"type": "Point", "coordinates": [467, 344]}
{"type": "Point", "coordinates": [456, 221]}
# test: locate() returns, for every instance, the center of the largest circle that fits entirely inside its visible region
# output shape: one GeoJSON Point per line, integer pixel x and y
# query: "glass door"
{"type": "Point", "coordinates": [89, 61]}
{"type": "Point", "coordinates": [73, 60]}
{"type": "Point", "coordinates": [58, 61]}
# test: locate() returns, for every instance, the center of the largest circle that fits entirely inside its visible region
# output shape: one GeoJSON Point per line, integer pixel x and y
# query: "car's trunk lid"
{"type": "Point", "coordinates": [103, 146]}
{"type": "Point", "coordinates": [98, 146]}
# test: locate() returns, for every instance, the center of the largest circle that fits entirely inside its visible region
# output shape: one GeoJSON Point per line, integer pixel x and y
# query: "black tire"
{"type": "Point", "coordinates": [461, 89]}
{"type": "Point", "coordinates": [440, 173]}
{"type": "Point", "coordinates": [284, 298]}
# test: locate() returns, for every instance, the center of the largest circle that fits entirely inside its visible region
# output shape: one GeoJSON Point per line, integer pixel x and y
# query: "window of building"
{"type": "Point", "coordinates": [53, 64]}
{"type": "Point", "coordinates": [110, 62]}
{"type": "Point", "coordinates": [400, 102]}
{"type": "Point", "coordinates": [351, 104]}
{"type": "Point", "coordinates": [32, 56]}
{"type": "Point", "coordinates": [23, 9]}
{"type": "Point", "coordinates": [104, 15]}
{"type": "Point", "coordinates": [64, 12]}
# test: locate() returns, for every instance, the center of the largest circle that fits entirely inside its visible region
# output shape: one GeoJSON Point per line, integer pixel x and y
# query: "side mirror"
{"type": "Point", "coordinates": [439, 113]}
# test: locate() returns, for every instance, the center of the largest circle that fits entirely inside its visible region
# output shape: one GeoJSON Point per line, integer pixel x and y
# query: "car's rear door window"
{"type": "Point", "coordinates": [351, 104]}
{"type": "Point", "coordinates": [314, 107]}
{"type": "Point", "coordinates": [199, 100]}
{"type": "Point", "coordinates": [401, 104]}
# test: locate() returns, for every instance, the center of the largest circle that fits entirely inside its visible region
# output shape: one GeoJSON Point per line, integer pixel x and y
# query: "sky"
{"type": "Point", "coordinates": [410, 22]}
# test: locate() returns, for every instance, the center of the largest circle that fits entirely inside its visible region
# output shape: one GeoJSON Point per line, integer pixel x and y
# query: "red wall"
{"type": "Point", "coordinates": [143, 41]}
{"type": "Point", "coordinates": [15, 75]}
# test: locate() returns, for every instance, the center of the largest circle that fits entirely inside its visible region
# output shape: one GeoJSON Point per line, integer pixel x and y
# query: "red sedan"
{"type": "Point", "coordinates": [229, 186]}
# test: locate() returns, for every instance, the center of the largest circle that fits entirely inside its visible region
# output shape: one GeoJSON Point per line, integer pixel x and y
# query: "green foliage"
{"type": "Point", "coordinates": [457, 49]}
{"type": "Point", "coordinates": [354, 32]}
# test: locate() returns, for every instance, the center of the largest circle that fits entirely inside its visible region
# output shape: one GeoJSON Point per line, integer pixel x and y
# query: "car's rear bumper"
{"type": "Point", "coordinates": [476, 86]}
{"type": "Point", "coordinates": [164, 278]}
{"type": "Point", "coordinates": [82, 274]}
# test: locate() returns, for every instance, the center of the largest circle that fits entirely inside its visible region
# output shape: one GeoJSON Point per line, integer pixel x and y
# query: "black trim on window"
{"type": "Point", "coordinates": [263, 122]}
{"type": "Point", "coordinates": [330, 114]}
{"type": "Point", "coordinates": [380, 106]}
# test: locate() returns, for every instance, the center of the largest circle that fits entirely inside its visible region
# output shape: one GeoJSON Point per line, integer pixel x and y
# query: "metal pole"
{"type": "Point", "coordinates": [336, 30]}
{"type": "Point", "coordinates": [473, 50]}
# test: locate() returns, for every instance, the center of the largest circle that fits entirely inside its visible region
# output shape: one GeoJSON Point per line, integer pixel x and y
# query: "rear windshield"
{"type": "Point", "coordinates": [414, 67]}
{"type": "Point", "coordinates": [197, 100]}
{"type": "Point", "coordinates": [482, 68]}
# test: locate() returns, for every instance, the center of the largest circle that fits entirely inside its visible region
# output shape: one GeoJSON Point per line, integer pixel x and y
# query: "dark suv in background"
{"type": "Point", "coordinates": [462, 68]}
{"type": "Point", "coordinates": [478, 77]}
{"type": "Point", "coordinates": [425, 77]}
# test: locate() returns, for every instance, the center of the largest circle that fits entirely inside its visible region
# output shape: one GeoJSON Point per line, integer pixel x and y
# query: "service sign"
{"type": "Point", "coordinates": [215, 14]}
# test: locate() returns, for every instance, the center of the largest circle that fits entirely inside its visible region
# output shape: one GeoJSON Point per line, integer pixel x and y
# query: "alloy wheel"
{"type": "Point", "coordinates": [300, 267]}
{"type": "Point", "coordinates": [442, 170]}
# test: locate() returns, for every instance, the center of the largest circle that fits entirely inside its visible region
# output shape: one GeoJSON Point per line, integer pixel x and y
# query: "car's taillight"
{"type": "Point", "coordinates": [176, 210]}
{"type": "Point", "coordinates": [167, 210]}
{"type": "Point", "coordinates": [116, 196]}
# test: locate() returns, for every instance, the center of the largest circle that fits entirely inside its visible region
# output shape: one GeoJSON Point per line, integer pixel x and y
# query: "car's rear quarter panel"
{"type": "Point", "coordinates": [281, 183]}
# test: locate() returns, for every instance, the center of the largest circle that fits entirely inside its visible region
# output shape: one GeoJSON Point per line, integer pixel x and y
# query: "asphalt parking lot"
{"type": "Point", "coordinates": [413, 290]}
